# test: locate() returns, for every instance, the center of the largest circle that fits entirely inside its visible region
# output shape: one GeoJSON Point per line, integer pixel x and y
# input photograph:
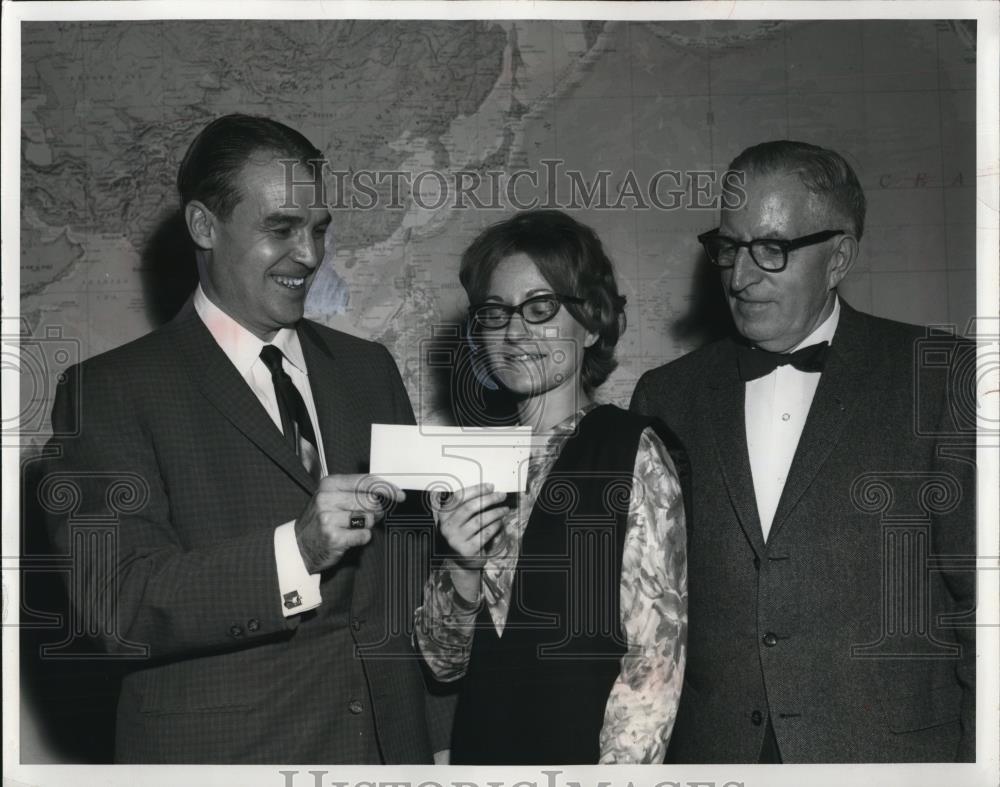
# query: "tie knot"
{"type": "Point", "coordinates": [272, 357]}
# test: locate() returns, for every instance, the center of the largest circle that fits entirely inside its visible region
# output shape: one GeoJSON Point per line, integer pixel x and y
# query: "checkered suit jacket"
{"type": "Point", "coordinates": [166, 436]}
{"type": "Point", "coordinates": [852, 628]}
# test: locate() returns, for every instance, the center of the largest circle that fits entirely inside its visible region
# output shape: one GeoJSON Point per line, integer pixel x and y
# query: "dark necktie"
{"type": "Point", "coordinates": [755, 363]}
{"type": "Point", "coordinates": [295, 421]}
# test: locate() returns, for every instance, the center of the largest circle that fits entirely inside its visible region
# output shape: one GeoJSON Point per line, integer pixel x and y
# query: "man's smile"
{"type": "Point", "coordinates": [291, 282]}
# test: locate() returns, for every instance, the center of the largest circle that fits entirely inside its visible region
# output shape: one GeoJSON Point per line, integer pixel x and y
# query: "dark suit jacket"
{"type": "Point", "coordinates": [835, 627]}
{"type": "Point", "coordinates": [173, 444]}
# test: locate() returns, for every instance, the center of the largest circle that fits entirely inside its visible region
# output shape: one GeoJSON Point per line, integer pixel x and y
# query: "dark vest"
{"type": "Point", "coordinates": [536, 695]}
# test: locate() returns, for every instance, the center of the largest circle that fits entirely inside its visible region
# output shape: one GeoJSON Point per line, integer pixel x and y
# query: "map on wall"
{"type": "Point", "coordinates": [108, 108]}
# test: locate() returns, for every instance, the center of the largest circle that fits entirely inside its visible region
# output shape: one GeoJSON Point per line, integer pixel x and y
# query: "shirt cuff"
{"type": "Point", "coordinates": [299, 589]}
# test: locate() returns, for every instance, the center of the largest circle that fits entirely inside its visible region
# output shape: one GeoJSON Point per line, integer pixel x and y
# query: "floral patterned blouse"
{"type": "Point", "coordinates": [642, 706]}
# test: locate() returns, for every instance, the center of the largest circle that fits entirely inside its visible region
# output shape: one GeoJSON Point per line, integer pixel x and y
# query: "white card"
{"type": "Point", "coordinates": [451, 457]}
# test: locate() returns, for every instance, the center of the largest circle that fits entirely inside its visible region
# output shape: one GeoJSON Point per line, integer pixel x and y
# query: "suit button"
{"type": "Point", "coordinates": [235, 631]}
{"type": "Point", "coordinates": [355, 707]}
{"type": "Point", "coordinates": [356, 624]}
{"type": "Point", "coordinates": [756, 563]}
{"type": "Point", "coordinates": [253, 624]}
{"type": "Point", "coordinates": [770, 640]}
{"type": "Point", "coordinates": [757, 718]}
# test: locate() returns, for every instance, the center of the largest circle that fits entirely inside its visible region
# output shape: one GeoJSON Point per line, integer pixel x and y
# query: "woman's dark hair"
{"type": "Point", "coordinates": [211, 167]}
{"type": "Point", "coordinates": [570, 257]}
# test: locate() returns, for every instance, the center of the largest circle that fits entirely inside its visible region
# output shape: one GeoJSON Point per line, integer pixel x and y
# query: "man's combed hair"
{"type": "Point", "coordinates": [571, 258]}
{"type": "Point", "coordinates": [824, 172]}
{"type": "Point", "coordinates": [210, 169]}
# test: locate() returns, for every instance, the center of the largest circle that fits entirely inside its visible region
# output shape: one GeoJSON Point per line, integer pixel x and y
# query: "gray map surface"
{"type": "Point", "coordinates": [109, 107]}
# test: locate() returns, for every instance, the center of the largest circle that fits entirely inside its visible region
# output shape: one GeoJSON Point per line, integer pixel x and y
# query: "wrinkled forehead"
{"type": "Point", "coordinates": [301, 186]}
{"type": "Point", "coordinates": [774, 203]}
{"type": "Point", "coordinates": [283, 182]}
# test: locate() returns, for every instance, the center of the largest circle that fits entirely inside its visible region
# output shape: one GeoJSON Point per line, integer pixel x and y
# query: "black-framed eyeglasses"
{"type": "Point", "coordinates": [770, 254]}
{"type": "Point", "coordinates": [538, 309]}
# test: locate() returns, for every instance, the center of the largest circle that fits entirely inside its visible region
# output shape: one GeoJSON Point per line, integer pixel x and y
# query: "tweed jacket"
{"type": "Point", "coordinates": [851, 628]}
{"type": "Point", "coordinates": [165, 438]}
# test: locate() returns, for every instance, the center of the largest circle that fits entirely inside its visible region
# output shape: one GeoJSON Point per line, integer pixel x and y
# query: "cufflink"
{"type": "Point", "coordinates": [292, 599]}
{"type": "Point", "coordinates": [357, 521]}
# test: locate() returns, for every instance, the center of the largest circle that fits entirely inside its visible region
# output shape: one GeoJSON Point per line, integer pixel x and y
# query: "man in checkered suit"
{"type": "Point", "coordinates": [251, 560]}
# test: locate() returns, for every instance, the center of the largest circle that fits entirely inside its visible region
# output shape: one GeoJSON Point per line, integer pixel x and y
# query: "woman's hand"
{"type": "Point", "coordinates": [469, 519]}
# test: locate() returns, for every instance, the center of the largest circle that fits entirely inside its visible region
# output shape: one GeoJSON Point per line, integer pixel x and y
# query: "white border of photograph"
{"type": "Point", "coordinates": [985, 772]}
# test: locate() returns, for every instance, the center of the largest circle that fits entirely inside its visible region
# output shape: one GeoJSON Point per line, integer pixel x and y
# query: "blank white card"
{"type": "Point", "coordinates": [451, 457]}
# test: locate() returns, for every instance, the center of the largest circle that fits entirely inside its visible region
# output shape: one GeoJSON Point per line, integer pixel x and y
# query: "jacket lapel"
{"type": "Point", "coordinates": [328, 392]}
{"type": "Point", "coordinates": [725, 412]}
{"type": "Point", "coordinates": [224, 388]}
{"type": "Point", "coordinates": [846, 373]}
{"type": "Point", "coordinates": [363, 566]}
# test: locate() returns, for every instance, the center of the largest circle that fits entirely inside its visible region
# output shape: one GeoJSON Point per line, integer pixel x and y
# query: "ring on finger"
{"type": "Point", "coordinates": [357, 520]}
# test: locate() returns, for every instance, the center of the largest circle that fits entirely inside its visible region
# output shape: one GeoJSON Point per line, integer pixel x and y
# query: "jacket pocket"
{"type": "Point", "coordinates": [923, 710]}
{"type": "Point", "coordinates": [197, 686]}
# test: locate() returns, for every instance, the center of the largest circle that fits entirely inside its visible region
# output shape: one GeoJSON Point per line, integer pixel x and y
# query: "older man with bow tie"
{"type": "Point", "coordinates": [804, 645]}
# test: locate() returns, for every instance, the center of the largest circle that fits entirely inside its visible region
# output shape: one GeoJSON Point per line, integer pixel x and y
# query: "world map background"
{"type": "Point", "coordinates": [108, 108]}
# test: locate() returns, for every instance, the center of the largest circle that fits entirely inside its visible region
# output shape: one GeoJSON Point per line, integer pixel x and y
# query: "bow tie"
{"type": "Point", "coordinates": [755, 363]}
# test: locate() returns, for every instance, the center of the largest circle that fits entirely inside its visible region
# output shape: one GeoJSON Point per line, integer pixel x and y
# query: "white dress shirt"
{"type": "Point", "coordinates": [776, 409]}
{"type": "Point", "coordinates": [298, 589]}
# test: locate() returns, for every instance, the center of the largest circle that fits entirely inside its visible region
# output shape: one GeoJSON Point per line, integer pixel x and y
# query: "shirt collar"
{"type": "Point", "coordinates": [825, 330]}
{"type": "Point", "coordinates": [240, 345]}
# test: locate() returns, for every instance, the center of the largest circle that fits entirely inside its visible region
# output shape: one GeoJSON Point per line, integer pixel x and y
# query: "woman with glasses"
{"type": "Point", "coordinates": [563, 611]}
